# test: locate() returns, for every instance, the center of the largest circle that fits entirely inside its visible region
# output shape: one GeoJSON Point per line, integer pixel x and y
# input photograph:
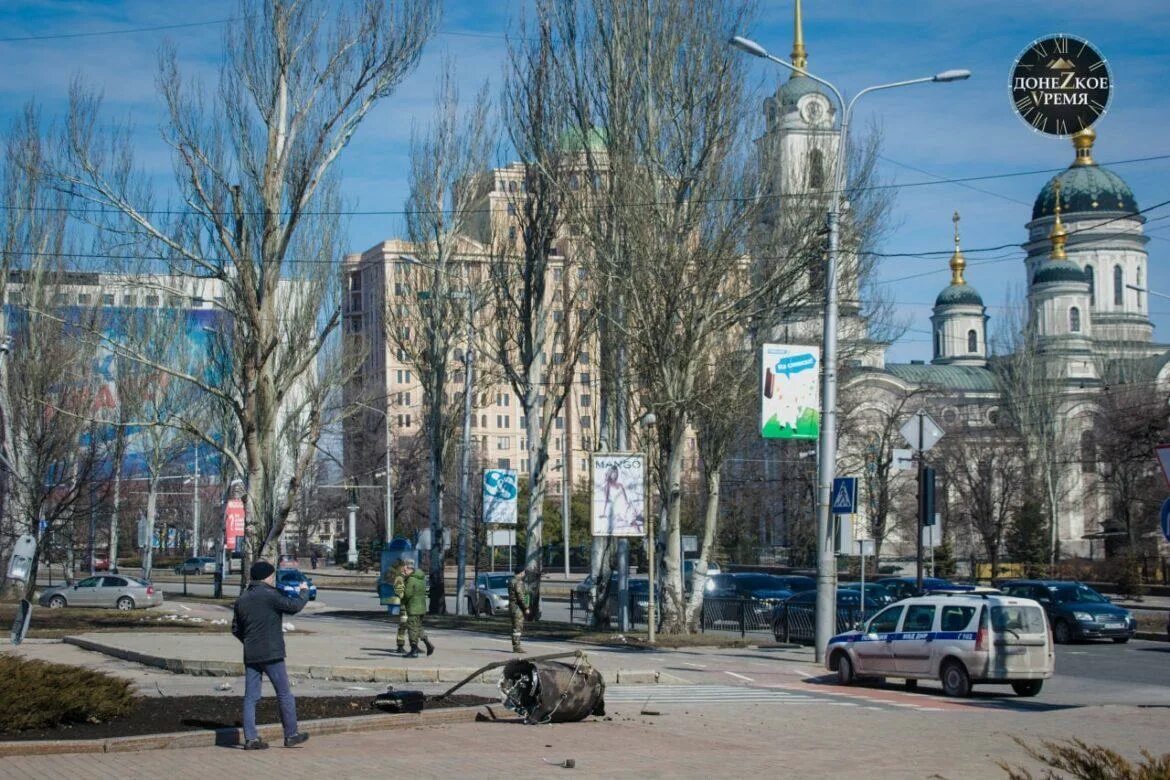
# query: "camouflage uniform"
{"type": "Point", "coordinates": [518, 603]}
{"type": "Point", "coordinates": [414, 604]}
{"type": "Point", "coordinates": [399, 579]}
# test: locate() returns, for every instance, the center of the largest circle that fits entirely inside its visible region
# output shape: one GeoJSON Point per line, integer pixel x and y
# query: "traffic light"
{"type": "Point", "coordinates": [926, 496]}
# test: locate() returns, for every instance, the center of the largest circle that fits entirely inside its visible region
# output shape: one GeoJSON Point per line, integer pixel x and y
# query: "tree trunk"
{"type": "Point", "coordinates": [699, 577]}
{"type": "Point", "coordinates": [673, 617]}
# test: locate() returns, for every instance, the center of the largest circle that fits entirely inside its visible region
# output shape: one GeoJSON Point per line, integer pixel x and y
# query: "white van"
{"type": "Point", "coordinates": [959, 638]}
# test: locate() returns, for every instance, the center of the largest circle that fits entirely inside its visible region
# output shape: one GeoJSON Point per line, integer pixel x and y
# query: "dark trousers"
{"type": "Point", "coordinates": [278, 676]}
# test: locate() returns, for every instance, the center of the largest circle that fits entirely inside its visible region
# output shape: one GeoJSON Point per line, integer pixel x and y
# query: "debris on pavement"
{"type": "Point", "coordinates": [553, 691]}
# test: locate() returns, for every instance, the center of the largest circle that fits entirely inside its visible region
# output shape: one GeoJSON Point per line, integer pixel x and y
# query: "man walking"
{"type": "Point", "coordinates": [394, 575]}
{"type": "Point", "coordinates": [414, 603]}
{"type": "Point", "coordinates": [518, 604]}
{"type": "Point", "coordinates": [258, 623]}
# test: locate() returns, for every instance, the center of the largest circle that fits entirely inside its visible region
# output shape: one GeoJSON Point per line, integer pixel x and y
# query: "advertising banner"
{"type": "Point", "coordinates": [790, 392]}
{"type": "Point", "coordinates": [619, 494]}
{"type": "Point", "coordinates": [233, 522]}
{"type": "Point", "coordinates": [499, 496]}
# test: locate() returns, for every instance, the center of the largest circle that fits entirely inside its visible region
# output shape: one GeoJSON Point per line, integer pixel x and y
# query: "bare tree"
{"type": "Point", "coordinates": [255, 168]}
{"type": "Point", "coordinates": [52, 448]}
{"type": "Point", "coordinates": [541, 326]}
{"type": "Point", "coordinates": [447, 160]}
{"type": "Point", "coordinates": [983, 471]}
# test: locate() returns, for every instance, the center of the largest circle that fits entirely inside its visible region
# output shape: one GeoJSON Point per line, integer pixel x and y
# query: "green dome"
{"type": "Point", "coordinates": [796, 88]}
{"type": "Point", "coordinates": [1085, 188]}
{"type": "Point", "coordinates": [595, 140]}
{"type": "Point", "coordinates": [1058, 271]}
{"type": "Point", "coordinates": [959, 294]}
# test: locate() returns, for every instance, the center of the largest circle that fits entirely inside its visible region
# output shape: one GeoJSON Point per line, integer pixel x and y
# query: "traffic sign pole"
{"type": "Point", "coordinates": [921, 485]}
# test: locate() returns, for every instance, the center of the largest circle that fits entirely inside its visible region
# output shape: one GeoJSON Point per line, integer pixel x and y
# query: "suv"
{"type": "Point", "coordinates": [960, 639]}
{"type": "Point", "coordinates": [1076, 611]}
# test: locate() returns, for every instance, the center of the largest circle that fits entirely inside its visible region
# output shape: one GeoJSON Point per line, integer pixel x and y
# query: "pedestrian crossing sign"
{"type": "Point", "coordinates": [844, 496]}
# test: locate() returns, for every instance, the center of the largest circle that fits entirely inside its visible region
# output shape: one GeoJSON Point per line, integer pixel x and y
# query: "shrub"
{"type": "Point", "coordinates": [38, 695]}
{"type": "Point", "coordinates": [1089, 762]}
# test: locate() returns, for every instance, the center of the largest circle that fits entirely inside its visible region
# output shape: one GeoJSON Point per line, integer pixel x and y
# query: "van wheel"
{"type": "Point", "coordinates": [845, 674]}
{"type": "Point", "coordinates": [955, 680]}
{"type": "Point", "coordinates": [1061, 633]}
{"type": "Point", "coordinates": [1027, 687]}
{"type": "Point", "coordinates": [911, 685]}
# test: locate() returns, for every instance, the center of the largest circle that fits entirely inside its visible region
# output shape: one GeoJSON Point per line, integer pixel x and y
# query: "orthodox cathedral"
{"type": "Point", "coordinates": [1087, 314]}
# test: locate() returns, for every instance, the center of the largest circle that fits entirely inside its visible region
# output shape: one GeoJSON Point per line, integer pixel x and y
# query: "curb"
{"type": "Point", "coordinates": [230, 737]}
{"type": "Point", "coordinates": [205, 668]}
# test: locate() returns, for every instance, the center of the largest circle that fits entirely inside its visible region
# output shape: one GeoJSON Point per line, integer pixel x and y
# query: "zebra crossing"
{"type": "Point", "coordinates": [736, 694]}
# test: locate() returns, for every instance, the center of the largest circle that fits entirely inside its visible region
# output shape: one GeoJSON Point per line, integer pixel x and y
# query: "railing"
{"type": "Point", "coordinates": [737, 614]}
{"type": "Point", "coordinates": [797, 622]}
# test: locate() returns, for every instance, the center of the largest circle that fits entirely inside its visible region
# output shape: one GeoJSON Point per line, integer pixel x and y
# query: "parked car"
{"type": "Point", "coordinates": [757, 585]}
{"type": "Point", "coordinates": [795, 618]}
{"type": "Point", "coordinates": [905, 587]}
{"type": "Point", "coordinates": [958, 638]}
{"type": "Point", "coordinates": [288, 582]}
{"type": "Point", "coordinates": [203, 564]}
{"type": "Point", "coordinates": [689, 571]}
{"type": "Point", "coordinates": [489, 596]}
{"type": "Point", "coordinates": [1075, 610]}
{"type": "Point", "coordinates": [876, 596]}
{"type": "Point", "coordinates": [639, 588]}
{"type": "Point", "coordinates": [105, 590]}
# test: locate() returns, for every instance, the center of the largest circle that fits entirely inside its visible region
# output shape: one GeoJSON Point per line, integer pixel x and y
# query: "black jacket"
{"type": "Point", "coordinates": [258, 621]}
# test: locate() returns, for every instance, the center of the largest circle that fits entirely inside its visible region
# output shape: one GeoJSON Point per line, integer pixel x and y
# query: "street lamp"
{"type": "Point", "coordinates": [827, 445]}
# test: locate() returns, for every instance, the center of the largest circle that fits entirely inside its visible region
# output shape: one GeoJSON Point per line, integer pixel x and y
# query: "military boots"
{"type": "Point", "coordinates": [413, 652]}
{"type": "Point", "coordinates": [430, 648]}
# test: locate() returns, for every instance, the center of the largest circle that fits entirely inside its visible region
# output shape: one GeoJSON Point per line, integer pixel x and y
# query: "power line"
{"type": "Point", "coordinates": [124, 31]}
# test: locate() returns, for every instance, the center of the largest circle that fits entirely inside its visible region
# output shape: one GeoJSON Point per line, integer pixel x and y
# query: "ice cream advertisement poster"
{"type": "Point", "coordinates": [790, 392]}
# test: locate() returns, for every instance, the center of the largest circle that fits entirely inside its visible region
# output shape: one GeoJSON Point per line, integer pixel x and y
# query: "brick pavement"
{"type": "Point", "coordinates": [686, 740]}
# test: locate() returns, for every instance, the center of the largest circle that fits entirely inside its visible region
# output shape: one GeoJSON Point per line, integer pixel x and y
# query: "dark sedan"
{"type": "Point", "coordinates": [905, 587]}
{"type": "Point", "coordinates": [1076, 611]}
{"type": "Point", "coordinates": [875, 595]}
{"type": "Point", "coordinates": [795, 619]}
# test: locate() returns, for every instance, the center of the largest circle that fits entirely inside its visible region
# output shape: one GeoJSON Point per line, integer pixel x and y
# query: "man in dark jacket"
{"type": "Point", "coordinates": [259, 623]}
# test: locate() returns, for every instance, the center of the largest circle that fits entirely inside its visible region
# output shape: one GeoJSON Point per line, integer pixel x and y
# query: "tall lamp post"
{"type": "Point", "coordinates": [827, 445]}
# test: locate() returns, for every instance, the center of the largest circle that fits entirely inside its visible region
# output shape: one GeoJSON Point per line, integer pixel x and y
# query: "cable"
{"type": "Point", "coordinates": [125, 31]}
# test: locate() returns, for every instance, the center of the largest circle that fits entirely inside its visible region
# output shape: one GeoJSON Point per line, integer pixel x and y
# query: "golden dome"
{"type": "Point", "coordinates": [958, 262]}
{"type": "Point", "coordinates": [1058, 235]}
{"type": "Point", "coordinates": [1083, 143]}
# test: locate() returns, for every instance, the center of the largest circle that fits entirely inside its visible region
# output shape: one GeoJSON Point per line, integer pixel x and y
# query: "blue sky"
{"type": "Point", "coordinates": [947, 131]}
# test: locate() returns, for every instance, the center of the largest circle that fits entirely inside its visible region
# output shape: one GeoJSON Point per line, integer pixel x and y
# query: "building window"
{"type": "Point", "coordinates": [127, 300]}
{"type": "Point", "coordinates": [558, 358]}
{"type": "Point", "coordinates": [583, 358]}
{"type": "Point", "coordinates": [512, 234]}
{"type": "Point", "coordinates": [585, 377]}
{"type": "Point", "coordinates": [15, 297]}
{"type": "Point", "coordinates": [511, 209]}
{"type": "Point", "coordinates": [972, 341]}
{"type": "Point", "coordinates": [1091, 278]}
{"type": "Point", "coordinates": [1074, 320]}
{"type": "Point", "coordinates": [574, 182]}
{"type": "Point", "coordinates": [586, 421]}
{"type": "Point", "coordinates": [504, 463]}
{"type": "Point", "coordinates": [152, 300]}
{"type": "Point", "coordinates": [1118, 286]}
{"type": "Point", "coordinates": [586, 400]}
{"type": "Point", "coordinates": [1088, 453]}
{"type": "Point", "coordinates": [938, 343]}
{"type": "Point", "coordinates": [511, 186]}
{"type": "Point", "coordinates": [59, 299]}
{"type": "Point", "coordinates": [503, 442]}
{"type": "Point", "coordinates": [560, 423]}
{"type": "Point", "coordinates": [816, 169]}
{"type": "Point", "coordinates": [84, 299]}
{"type": "Point", "coordinates": [524, 422]}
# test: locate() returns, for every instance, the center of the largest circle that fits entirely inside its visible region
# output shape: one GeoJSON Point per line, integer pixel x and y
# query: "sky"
{"type": "Point", "coordinates": [930, 132]}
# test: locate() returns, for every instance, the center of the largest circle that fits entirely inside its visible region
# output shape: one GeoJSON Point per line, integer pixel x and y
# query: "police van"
{"type": "Point", "coordinates": [959, 638]}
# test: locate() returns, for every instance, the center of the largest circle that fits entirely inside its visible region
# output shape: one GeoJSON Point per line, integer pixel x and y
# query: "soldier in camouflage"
{"type": "Point", "coordinates": [395, 577]}
{"type": "Point", "coordinates": [519, 603]}
{"type": "Point", "coordinates": [414, 604]}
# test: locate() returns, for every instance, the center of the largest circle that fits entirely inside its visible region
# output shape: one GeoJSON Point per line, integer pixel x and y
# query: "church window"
{"type": "Point", "coordinates": [816, 169]}
{"type": "Point", "coordinates": [1088, 453]}
{"type": "Point", "coordinates": [1139, 284]}
{"type": "Point", "coordinates": [1074, 320]}
{"type": "Point", "coordinates": [938, 343]}
{"type": "Point", "coordinates": [972, 341]}
{"type": "Point", "coordinates": [1091, 278]}
{"type": "Point", "coordinates": [1118, 286]}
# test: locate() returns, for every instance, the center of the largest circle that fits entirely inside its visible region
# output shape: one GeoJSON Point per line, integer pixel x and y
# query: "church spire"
{"type": "Point", "coordinates": [1083, 143]}
{"type": "Point", "coordinates": [799, 56]}
{"type": "Point", "coordinates": [958, 262]}
{"type": "Point", "coordinates": [1058, 235]}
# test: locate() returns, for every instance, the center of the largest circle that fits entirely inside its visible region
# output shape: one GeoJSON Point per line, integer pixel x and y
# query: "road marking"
{"type": "Point", "coordinates": [697, 666]}
{"type": "Point", "coordinates": [740, 676]}
{"type": "Point", "coordinates": [184, 607]}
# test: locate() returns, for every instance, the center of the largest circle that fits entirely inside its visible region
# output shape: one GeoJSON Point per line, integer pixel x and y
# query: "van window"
{"type": "Point", "coordinates": [1025, 620]}
{"type": "Point", "coordinates": [919, 617]}
{"type": "Point", "coordinates": [887, 620]}
{"type": "Point", "coordinates": [956, 618]}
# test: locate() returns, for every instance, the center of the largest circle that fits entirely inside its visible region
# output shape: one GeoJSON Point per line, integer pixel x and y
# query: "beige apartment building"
{"type": "Point", "coordinates": [387, 393]}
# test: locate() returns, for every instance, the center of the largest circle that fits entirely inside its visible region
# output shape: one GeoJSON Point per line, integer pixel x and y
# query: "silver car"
{"type": "Point", "coordinates": [105, 590]}
{"type": "Point", "coordinates": [490, 595]}
{"type": "Point", "coordinates": [957, 638]}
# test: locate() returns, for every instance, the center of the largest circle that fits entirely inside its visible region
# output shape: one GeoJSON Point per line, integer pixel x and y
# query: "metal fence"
{"type": "Point", "coordinates": [797, 623]}
{"type": "Point", "coordinates": [737, 614]}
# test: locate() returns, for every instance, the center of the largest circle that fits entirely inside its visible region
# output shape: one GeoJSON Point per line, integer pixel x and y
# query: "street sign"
{"type": "Point", "coordinates": [501, 537]}
{"type": "Point", "coordinates": [844, 498]}
{"type": "Point", "coordinates": [1166, 519]}
{"type": "Point", "coordinates": [932, 534]}
{"type": "Point", "coordinates": [863, 547]}
{"type": "Point", "coordinates": [921, 432]}
{"type": "Point", "coordinates": [844, 539]}
{"type": "Point", "coordinates": [903, 460]}
{"type": "Point", "coordinates": [690, 543]}
{"type": "Point", "coordinates": [1163, 452]}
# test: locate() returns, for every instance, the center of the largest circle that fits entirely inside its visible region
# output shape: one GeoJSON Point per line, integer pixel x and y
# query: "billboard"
{"type": "Point", "coordinates": [499, 496]}
{"type": "Point", "coordinates": [233, 518]}
{"type": "Point", "coordinates": [790, 392]}
{"type": "Point", "coordinates": [619, 494]}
